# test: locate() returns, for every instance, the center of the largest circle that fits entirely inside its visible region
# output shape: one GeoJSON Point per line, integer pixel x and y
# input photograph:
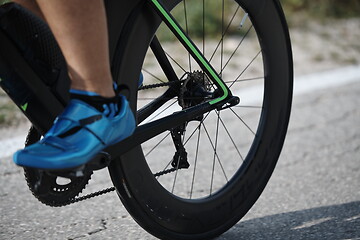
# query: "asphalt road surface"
{"type": "Point", "coordinates": [314, 192]}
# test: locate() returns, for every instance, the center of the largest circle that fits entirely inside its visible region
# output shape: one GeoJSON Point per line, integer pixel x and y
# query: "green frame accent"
{"type": "Point", "coordinates": [24, 106]}
{"type": "Point", "coordinates": [174, 26]}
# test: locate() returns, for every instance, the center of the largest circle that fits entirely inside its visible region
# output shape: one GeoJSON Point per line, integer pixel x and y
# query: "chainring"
{"type": "Point", "coordinates": [50, 189]}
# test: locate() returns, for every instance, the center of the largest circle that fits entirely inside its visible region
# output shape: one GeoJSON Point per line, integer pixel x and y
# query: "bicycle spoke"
{"type": "Point", "coordinates": [162, 111]}
{"type": "Point", "coordinates": [245, 80]}
{"type": "Point", "coordinates": [243, 106]}
{"type": "Point", "coordinates": [187, 31]}
{"type": "Point", "coordinates": [176, 173]}
{"type": "Point", "coordinates": [148, 153]}
{"type": "Point", "coordinates": [252, 60]}
{"type": "Point", "coordinates": [231, 139]}
{"type": "Point", "coordinates": [195, 129]}
{"type": "Point", "coordinates": [151, 74]}
{"type": "Point", "coordinates": [212, 145]}
{"type": "Point", "coordinates": [222, 41]}
{"type": "Point", "coordinates": [195, 163]}
{"type": "Point", "coordinates": [232, 82]}
{"type": "Point", "coordinates": [176, 62]}
{"type": "Point", "coordinates": [222, 168]}
{"type": "Point", "coordinates": [247, 126]}
{"type": "Point", "coordinates": [163, 60]}
{"type": "Point", "coordinates": [223, 35]}
{"type": "Point", "coordinates": [215, 152]}
{"type": "Point", "coordinates": [237, 47]}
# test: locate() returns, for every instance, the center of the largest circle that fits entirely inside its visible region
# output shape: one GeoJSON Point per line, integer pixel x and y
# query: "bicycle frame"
{"type": "Point", "coordinates": [122, 16]}
{"type": "Point", "coordinates": [149, 130]}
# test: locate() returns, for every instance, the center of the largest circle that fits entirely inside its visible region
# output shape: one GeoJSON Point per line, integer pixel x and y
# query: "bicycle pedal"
{"type": "Point", "coordinates": [41, 186]}
{"type": "Point", "coordinates": [100, 161]}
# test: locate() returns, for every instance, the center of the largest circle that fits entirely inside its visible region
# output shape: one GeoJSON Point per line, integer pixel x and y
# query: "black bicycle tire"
{"type": "Point", "coordinates": [156, 213]}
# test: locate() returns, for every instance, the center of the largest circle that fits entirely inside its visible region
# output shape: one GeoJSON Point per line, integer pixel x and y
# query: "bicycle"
{"type": "Point", "coordinates": [201, 98]}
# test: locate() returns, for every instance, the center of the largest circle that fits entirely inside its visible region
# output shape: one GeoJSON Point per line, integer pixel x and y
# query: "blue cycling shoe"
{"type": "Point", "coordinates": [77, 136]}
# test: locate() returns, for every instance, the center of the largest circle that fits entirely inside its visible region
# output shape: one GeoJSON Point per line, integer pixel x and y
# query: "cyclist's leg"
{"type": "Point", "coordinates": [73, 26]}
{"type": "Point", "coordinates": [81, 31]}
{"type": "Point", "coordinates": [96, 118]}
{"type": "Point", "coordinates": [32, 6]}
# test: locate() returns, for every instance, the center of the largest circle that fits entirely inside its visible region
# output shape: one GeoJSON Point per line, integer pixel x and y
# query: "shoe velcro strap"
{"type": "Point", "coordinates": [79, 114]}
{"type": "Point", "coordinates": [57, 143]}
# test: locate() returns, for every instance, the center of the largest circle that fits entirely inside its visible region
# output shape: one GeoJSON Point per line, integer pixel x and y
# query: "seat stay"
{"type": "Point", "coordinates": [176, 29]}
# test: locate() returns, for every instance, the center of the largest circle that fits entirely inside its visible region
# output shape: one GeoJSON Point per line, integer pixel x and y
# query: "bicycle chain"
{"type": "Point", "coordinates": [158, 174]}
{"type": "Point", "coordinates": [111, 189]}
{"type": "Point", "coordinates": [156, 85]}
{"type": "Point", "coordinates": [108, 190]}
{"type": "Point", "coordinates": [88, 196]}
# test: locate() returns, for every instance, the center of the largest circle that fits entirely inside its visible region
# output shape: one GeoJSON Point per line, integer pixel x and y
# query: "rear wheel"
{"type": "Point", "coordinates": [200, 178]}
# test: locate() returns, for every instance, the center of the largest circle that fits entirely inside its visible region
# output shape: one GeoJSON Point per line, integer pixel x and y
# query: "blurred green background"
{"type": "Point", "coordinates": [324, 8]}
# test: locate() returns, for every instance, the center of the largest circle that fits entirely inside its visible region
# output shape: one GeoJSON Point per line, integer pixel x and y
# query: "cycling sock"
{"type": "Point", "coordinates": [109, 106]}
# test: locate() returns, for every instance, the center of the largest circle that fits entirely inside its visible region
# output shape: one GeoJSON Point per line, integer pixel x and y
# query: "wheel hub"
{"type": "Point", "coordinates": [195, 90]}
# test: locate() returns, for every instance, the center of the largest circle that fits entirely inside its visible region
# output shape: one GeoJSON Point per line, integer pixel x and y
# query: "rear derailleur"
{"type": "Point", "coordinates": [180, 158]}
{"type": "Point", "coordinates": [194, 90]}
